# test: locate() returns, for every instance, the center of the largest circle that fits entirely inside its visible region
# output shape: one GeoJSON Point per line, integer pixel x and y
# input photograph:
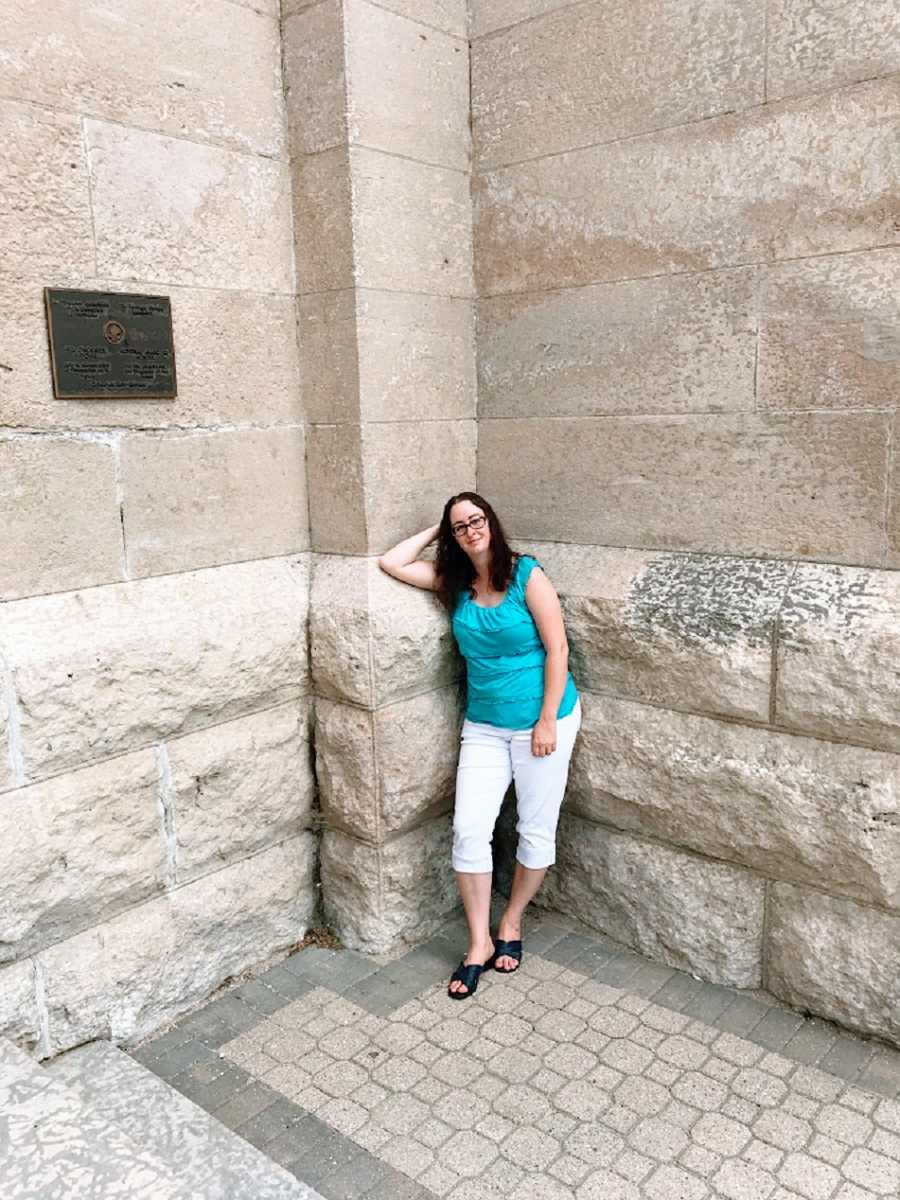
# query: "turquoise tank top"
{"type": "Point", "coordinates": [505, 657]}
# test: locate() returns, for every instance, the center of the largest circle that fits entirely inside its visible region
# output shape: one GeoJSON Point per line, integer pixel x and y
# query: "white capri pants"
{"type": "Point", "coordinates": [490, 758]}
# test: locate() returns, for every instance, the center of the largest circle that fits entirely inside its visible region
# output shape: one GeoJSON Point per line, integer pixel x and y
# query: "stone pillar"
{"type": "Point", "coordinates": [378, 119]}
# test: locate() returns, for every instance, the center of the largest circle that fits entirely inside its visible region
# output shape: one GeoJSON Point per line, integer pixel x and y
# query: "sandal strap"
{"type": "Point", "coordinates": [511, 949]}
{"type": "Point", "coordinates": [468, 974]}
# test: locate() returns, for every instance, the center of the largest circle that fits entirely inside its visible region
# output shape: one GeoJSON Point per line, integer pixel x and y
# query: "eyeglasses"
{"type": "Point", "coordinates": [473, 523]}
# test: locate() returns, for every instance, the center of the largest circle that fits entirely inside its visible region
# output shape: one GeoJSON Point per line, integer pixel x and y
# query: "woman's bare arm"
{"type": "Point", "coordinates": [401, 560]}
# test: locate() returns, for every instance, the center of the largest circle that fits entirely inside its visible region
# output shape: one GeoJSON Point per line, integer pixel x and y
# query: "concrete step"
{"type": "Point", "coordinates": [53, 1146]}
{"type": "Point", "coordinates": [208, 1160]}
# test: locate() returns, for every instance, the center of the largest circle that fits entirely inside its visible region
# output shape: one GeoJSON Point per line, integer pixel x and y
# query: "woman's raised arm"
{"type": "Point", "coordinates": [401, 560]}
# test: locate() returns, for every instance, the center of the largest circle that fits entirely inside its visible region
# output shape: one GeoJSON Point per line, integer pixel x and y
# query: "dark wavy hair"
{"type": "Point", "coordinates": [452, 565]}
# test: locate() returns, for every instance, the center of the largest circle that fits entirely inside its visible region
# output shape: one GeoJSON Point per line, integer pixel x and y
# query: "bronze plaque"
{"type": "Point", "coordinates": [110, 345]}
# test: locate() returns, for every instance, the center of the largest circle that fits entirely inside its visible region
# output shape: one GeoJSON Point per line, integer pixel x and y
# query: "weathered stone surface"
{"type": "Point", "coordinates": [237, 787]}
{"type": "Point", "coordinates": [736, 189]}
{"type": "Point", "coordinates": [791, 807]}
{"type": "Point", "coordinates": [814, 45]}
{"type": "Point", "coordinates": [408, 89]}
{"type": "Point", "coordinates": [375, 640]}
{"type": "Point", "coordinates": [416, 357]}
{"type": "Point", "coordinates": [77, 849]}
{"type": "Point", "coordinates": [686, 344]}
{"type": "Point", "coordinates": [142, 661]}
{"type": "Point", "coordinates": [384, 356]}
{"type": "Point", "coordinates": [596, 72]}
{"type": "Point", "coordinates": [314, 77]}
{"type": "Point", "coordinates": [198, 499]}
{"type": "Point", "coordinates": [329, 366]}
{"type": "Point", "coordinates": [699, 916]}
{"type": "Point", "coordinates": [448, 15]}
{"type": "Point", "coordinates": [374, 897]}
{"type": "Point", "coordinates": [240, 366]}
{"type": "Point", "coordinates": [892, 558]}
{"type": "Point", "coordinates": [839, 654]}
{"type": "Point", "coordinates": [336, 481]}
{"type": "Point", "coordinates": [7, 749]}
{"type": "Point", "coordinates": [18, 1007]}
{"type": "Point", "coordinates": [387, 771]}
{"type": "Point", "coordinates": [804, 485]}
{"type": "Point", "coordinates": [835, 958]}
{"type": "Point", "coordinates": [687, 631]}
{"type": "Point", "coordinates": [59, 513]}
{"type": "Point", "coordinates": [488, 15]}
{"type": "Point", "coordinates": [830, 333]}
{"type": "Point", "coordinates": [127, 977]}
{"type": "Point", "coordinates": [190, 214]}
{"type": "Point", "coordinates": [156, 67]}
{"type": "Point", "coordinates": [45, 217]}
{"type": "Point", "coordinates": [323, 229]}
{"type": "Point", "coordinates": [411, 468]}
{"type": "Point", "coordinates": [412, 226]}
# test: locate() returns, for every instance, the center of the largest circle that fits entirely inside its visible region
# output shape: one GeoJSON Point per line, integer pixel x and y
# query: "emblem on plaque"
{"type": "Point", "coordinates": [110, 345]}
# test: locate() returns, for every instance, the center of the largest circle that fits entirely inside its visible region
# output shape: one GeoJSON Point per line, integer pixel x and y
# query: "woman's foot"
{"type": "Point", "coordinates": [476, 954]}
{"type": "Point", "coordinates": [508, 931]}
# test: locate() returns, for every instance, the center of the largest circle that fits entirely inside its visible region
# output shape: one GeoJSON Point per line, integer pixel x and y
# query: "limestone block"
{"type": "Point", "coordinates": [138, 662]}
{"type": "Point", "coordinates": [77, 849]}
{"type": "Point", "coordinates": [838, 655]}
{"type": "Point", "coordinates": [805, 485]}
{"type": "Point", "coordinates": [8, 749]}
{"type": "Point", "coordinates": [323, 229]}
{"type": "Point", "coordinates": [45, 220]}
{"type": "Point", "coordinates": [408, 87]}
{"type": "Point", "coordinates": [416, 357]}
{"type": "Point", "coordinates": [412, 226]}
{"type": "Point", "coordinates": [411, 468]}
{"type": "Point", "coordinates": [810, 176]}
{"type": "Point", "coordinates": [892, 558]}
{"type": "Point", "coordinates": [687, 631]}
{"type": "Point", "coordinates": [814, 45]}
{"type": "Point", "coordinates": [314, 76]}
{"type": "Point", "coordinates": [269, 8]}
{"type": "Point", "coordinates": [241, 368]}
{"type": "Point", "coordinates": [488, 15]}
{"type": "Point", "coordinates": [59, 513]}
{"type": "Point", "coordinates": [686, 344]}
{"type": "Point", "coordinates": [19, 1019]}
{"type": "Point", "coordinates": [375, 640]}
{"type": "Point", "coordinates": [447, 15]}
{"type": "Point", "coordinates": [336, 482]}
{"type": "Point", "coordinates": [165, 66]}
{"type": "Point", "coordinates": [830, 333]}
{"type": "Point", "coordinates": [198, 499]}
{"type": "Point", "coordinates": [836, 958]}
{"type": "Point", "coordinates": [375, 897]}
{"type": "Point", "coordinates": [165, 208]}
{"type": "Point", "coordinates": [124, 979]}
{"type": "Point", "coordinates": [235, 788]}
{"type": "Point", "coordinates": [329, 366]}
{"type": "Point", "coordinates": [387, 771]}
{"type": "Point", "coordinates": [602, 71]}
{"type": "Point", "coordinates": [791, 807]}
{"type": "Point", "coordinates": [699, 916]}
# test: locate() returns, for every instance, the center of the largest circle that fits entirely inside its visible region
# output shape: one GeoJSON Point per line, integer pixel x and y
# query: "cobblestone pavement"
{"type": "Point", "coordinates": [590, 1073]}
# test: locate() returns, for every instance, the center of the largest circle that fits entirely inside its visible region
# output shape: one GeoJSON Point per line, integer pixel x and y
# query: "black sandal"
{"type": "Point", "coordinates": [468, 973]}
{"type": "Point", "coordinates": [504, 949]}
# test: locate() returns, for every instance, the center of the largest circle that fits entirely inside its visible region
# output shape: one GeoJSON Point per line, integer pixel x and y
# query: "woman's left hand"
{"type": "Point", "coordinates": [543, 737]}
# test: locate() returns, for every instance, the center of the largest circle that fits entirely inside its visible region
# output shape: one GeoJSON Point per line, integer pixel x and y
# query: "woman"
{"type": "Point", "coordinates": [522, 713]}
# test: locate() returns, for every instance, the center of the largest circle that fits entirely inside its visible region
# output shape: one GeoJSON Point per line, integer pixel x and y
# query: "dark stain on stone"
{"type": "Point", "coordinates": [710, 598]}
{"type": "Point", "coordinates": [888, 818]}
{"type": "Point", "coordinates": [818, 593]}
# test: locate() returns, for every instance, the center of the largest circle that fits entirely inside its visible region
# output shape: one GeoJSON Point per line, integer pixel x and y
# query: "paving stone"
{"type": "Point", "coordinates": [673, 1183]}
{"type": "Point", "coordinates": [810, 1177]}
{"type": "Point", "coordinates": [847, 1058]}
{"type": "Point", "coordinates": [742, 1016]}
{"type": "Point", "coordinates": [776, 1029]}
{"type": "Point", "coordinates": [357, 1178]}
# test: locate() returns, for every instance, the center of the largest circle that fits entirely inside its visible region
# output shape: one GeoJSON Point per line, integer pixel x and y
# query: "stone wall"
{"type": "Point", "coordinates": [155, 824]}
{"type": "Point", "coordinates": [687, 253]}
{"type": "Point", "coordinates": [378, 105]}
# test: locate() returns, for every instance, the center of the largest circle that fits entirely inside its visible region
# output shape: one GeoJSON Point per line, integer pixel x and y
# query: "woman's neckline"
{"type": "Point", "coordinates": [488, 607]}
